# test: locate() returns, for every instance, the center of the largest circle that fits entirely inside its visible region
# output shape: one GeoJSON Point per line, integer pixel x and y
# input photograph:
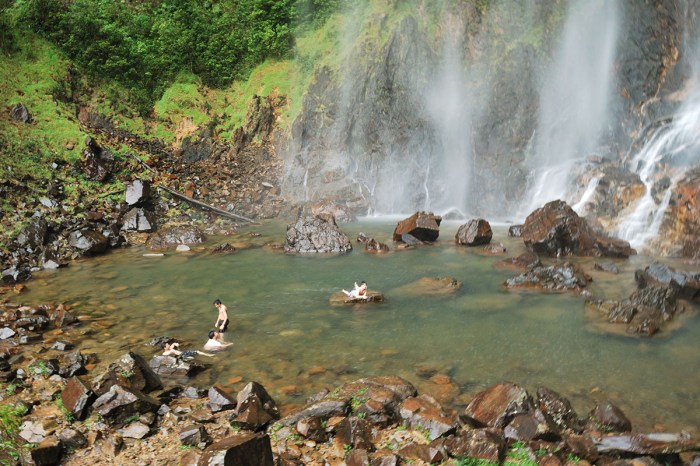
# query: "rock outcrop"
{"type": "Point", "coordinates": [316, 234]}
{"type": "Point", "coordinates": [423, 226]}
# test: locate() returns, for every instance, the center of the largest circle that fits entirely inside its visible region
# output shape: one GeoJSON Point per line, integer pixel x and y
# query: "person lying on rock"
{"type": "Point", "coordinates": [172, 349]}
{"type": "Point", "coordinates": [215, 342]}
{"type": "Point", "coordinates": [359, 292]}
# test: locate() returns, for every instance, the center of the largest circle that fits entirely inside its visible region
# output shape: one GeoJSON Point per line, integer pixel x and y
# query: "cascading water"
{"type": "Point", "coordinates": [660, 165]}
{"type": "Point", "coordinates": [671, 149]}
{"type": "Point", "coordinates": [574, 100]}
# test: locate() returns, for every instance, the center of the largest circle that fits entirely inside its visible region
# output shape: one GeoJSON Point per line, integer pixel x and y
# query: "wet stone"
{"type": "Point", "coordinates": [62, 346]}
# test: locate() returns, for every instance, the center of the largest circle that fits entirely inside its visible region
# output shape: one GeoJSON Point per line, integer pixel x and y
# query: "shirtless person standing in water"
{"type": "Point", "coordinates": [222, 318]}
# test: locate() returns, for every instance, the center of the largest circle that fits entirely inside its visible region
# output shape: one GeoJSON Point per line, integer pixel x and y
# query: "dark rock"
{"type": "Point", "coordinates": [362, 238]}
{"type": "Point", "coordinates": [487, 444]}
{"type": "Point", "coordinates": [172, 367]}
{"type": "Point", "coordinates": [130, 371]}
{"type": "Point", "coordinates": [609, 418]}
{"type": "Point", "coordinates": [174, 235]}
{"type": "Point", "coordinates": [254, 407]}
{"type": "Point", "coordinates": [476, 232]}
{"type": "Point", "coordinates": [494, 248]}
{"type": "Point", "coordinates": [138, 192]}
{"type": "Point", "coordinates": [77, 398]}
{"type": "Point", "coordinates": [498, 404]}
{"type": "Point", "coordinates": [195, 435]}
{"type": "Point", "coordinates": [581, 446]}
{"type": "Point", "coordinates": [34, 235]}
{"type": "Point", "coordinates": [47, 453]}
{"type": "Point", "coordinates": [73, 364]}
{"type": "Point", "coordinates": [15, 274]}
{"type": "Point", "coordinates": [312, 428]}
{"type": "Point", "coordinates": [97, 162]}
{"type": "Point", "coordinates": [88, 241]}
{"type": "Point", "coordinates": [60, 317]}
{"type": "Point", "coordinates": [316, 234]}
{"type": "Point", "coordinates": [355, 432]}
{"type": "Point", "coordinates": [558, 410]}
{"type": "Point", "coordinates": [562, 277]}
{"type": "Point", "coordinates": [119, 404]}
{"type": "Point", "coordinates": [424, 412]}
{"type": "Point", "coordinates": [243, 449]}
{"type": "Point", "coordinates": [72, 439]}
{"type": "Point", "coordinates": [138, 219]}
{"type": "Point", "coordinates": [556, 230]}
{"type": "Point", "coordinates": [375, 247]}
{"type": "Point", "coordinates": [515, 231]}
{"type": "Point", "coordinates": [530, 426]}
{"type": "Point", "coordinates": [411, 240]}
{"type": "Point", "coordinates": [424, 226]}
{"type": "Point", "coordinates": [20, 113]}
{"type": "Point", "coordinates": [658, 273]}
{"type": "Point", "coordinates": [220, 400]}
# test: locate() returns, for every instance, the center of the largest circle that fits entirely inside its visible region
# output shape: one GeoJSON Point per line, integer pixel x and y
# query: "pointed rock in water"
{"type": "Point", "coordinates": [566, 276]}
{"type": "Point", "coordinates": [424, 226]}
{"type": "Point", "coordinates": [476, 232]}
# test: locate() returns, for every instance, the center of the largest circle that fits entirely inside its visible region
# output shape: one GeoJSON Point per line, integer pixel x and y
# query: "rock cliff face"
{"type": "Point", "coordinates": [378, 133]}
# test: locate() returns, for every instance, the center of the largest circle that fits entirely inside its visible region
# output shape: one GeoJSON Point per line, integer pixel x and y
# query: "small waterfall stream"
{"type": "Point", "coordinates": [660, 164]}
{"type": "Point", "coordinates": [574, 100]}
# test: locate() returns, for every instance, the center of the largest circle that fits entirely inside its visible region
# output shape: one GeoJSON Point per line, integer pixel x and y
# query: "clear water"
{"type": "Point", "coordinates": [288, 337]}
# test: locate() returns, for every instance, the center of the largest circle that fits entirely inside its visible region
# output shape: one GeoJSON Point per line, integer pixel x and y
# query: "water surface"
{"type": "Point", "coordinates": [289, 338]}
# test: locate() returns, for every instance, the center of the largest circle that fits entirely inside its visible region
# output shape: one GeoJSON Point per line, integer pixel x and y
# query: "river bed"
{"type": "Point", "coordinates": [287, 336]}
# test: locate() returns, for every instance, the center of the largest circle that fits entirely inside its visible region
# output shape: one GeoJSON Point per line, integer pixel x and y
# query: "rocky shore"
{"type": "Point", "coordinates": [58, 409]}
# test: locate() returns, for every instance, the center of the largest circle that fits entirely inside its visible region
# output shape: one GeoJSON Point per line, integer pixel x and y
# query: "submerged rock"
{"type": "Point", "coordinates": [564, 277]}
{"type": "Point", "coordinates": [430, 286]}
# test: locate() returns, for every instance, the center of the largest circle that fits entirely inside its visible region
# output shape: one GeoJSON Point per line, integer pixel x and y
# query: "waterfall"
{"type": "Point", "coordinates": [574, 100]}
{"type": "Point", "coordinates": [660, 164]}
{"type": "Point", "coordinates": [667, 153]}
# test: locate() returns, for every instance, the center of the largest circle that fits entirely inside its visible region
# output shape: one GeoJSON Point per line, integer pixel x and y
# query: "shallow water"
{"type": "Point", "coordinates": [288, 337]}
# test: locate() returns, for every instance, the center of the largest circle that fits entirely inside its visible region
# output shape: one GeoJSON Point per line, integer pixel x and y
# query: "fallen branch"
{"type": "Point", "coordinates": [202, 205]}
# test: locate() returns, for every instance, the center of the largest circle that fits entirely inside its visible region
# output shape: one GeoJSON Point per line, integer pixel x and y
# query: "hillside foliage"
{"type": "Point", "coordinates": [145, 44]}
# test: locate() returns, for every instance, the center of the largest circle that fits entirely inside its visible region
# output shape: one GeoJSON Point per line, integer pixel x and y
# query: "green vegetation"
{"type": "Point", "coordinates": [10, 421]}
{"type": "Point", "coordinates": [66, 414]}
{"type": "Point", "coordinates": [519, 455]}
{"type": "Point", "coordinates": [475, 462]}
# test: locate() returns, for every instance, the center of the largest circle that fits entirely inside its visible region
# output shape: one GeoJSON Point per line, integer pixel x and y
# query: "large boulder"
{"type": "Point", "coordinates": [556, 230]}
{"type": "Point", "coordinates": [175, 235]}
{"type": "Point", "coordinates": [255, 408]}
{"type": "Point", "coordinates": [88, 241]}
{"type": "Point", "coordinates": [130, 371]}
{"type": "Point", "coordinates": [423, 226]}
{"type": "Point", "coordinates": [316, 234]}
{"type": "Point", "coordinates": [120, 404]}
{"type": "Point", "coordinates": [476, 232]}
{"type": "Point", "coordinates": [498, 405]}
